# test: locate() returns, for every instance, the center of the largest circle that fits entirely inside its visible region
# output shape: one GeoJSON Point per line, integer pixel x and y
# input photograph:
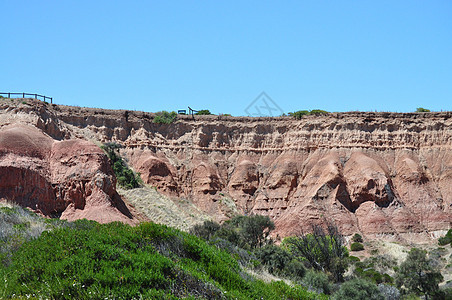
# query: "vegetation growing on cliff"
{"type": "Point", "coordinates": [447, 239]}
{"type": "Point", "coordinates": [88, 260]}
{"type": "Point", "coordinates": [165, 117]}
{"type": "Point", "coordinates": [125, 176]}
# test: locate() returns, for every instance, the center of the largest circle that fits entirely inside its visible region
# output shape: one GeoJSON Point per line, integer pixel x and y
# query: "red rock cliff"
{"type": "Point", "coordinates": [374, 173]}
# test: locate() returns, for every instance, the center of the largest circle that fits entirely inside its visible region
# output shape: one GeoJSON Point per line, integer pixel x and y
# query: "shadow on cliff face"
{"type": "Point", "coordinates": [371, 172]}
{"type": "Point", "coordinates": [58, 178]}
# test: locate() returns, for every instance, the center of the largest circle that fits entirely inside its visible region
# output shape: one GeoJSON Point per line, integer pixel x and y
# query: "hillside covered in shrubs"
{"type": "Point", "coordinates": [87, 260]}
{"type": "Point", "coordinates": [55, 259]}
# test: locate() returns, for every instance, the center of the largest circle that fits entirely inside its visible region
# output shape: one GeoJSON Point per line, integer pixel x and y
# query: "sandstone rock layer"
{"type": "Point", "coordinates": [374, 173]}
{"type": "Point", "coordinates": [71, 179]}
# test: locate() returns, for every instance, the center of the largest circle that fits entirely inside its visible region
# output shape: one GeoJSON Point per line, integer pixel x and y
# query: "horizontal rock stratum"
{"type": "Point", "coordinates": [379, 174]}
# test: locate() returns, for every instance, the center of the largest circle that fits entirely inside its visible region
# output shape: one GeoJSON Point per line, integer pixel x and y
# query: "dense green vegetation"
{"type": "Point", "coordinates": [87, 260]}
{"type": "Point", "coordinates": [356, 246]}
{"type": "Point", "coordinates": [357, 238]}
{"type": "Point", "coordinates": [419, 275]}
{"type": "Point", "coordinates": [299, 114]}
{"type": "Point", "coordinates": [125, 176]}
{"type": "Point", "coordinates": [203, 112]}
{"type": "Point", "coordinates": [421, 109]}
{"type": "Point", "coordinates": [323, 251]}
{"type": "Point", "coordinates": [375, 269]}
{"type": "Point", "coordinates": [447, 239]}
{"type": "Point", "coordinates": [165, 117]}
{"type": "Point", "coordinates": [359, 289]}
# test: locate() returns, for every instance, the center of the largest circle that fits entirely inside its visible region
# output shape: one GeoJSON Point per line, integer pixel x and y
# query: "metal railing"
{"type": "Point", "coordinates": [36, 96]}
{"type": "Point", "coordinates": [191, 111]}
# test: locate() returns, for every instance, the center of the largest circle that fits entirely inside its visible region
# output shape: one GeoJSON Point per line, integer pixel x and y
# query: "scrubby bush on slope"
{"type": "Point", "coordinates": [358, 289]}
{"type": "Point", "coordinates": [94, 261]}
{"type": "Point", "coordinates": [248, 232]}
{"type": "Point", "coordinates": [323, 250]}
{"type": "Point", "coordinates": [18, 225]}
{"type": "Point", "coordinates": [356, 246]}
{"type": "Point", "coordinates": [417, 274]}
{"type": "Point", "coordinates": [447, 239]}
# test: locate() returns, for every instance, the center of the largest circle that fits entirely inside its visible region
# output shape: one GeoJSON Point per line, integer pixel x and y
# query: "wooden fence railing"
{"type": "Point", "coordinates": [36, 96]}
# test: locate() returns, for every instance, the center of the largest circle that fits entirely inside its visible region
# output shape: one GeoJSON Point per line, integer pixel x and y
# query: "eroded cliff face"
{"type": "Point", "coordinates": [71, 179]}
{"type": "Point", "coordinates": [374, 173]}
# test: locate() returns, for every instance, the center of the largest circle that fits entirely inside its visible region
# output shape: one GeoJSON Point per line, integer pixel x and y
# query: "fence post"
{"type": "Point", "coordinates": [23, 95]}
{"type": "Point", "coordinates": [9, 95]}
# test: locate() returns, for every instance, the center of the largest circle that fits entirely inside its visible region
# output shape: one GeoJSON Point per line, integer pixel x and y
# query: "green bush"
{"type": "Point", "coordinates": [356, 247]}
{"type": "Point", "coordinates": [357, 238]}
{"type": "Point", "coordinates": [274, 258]}
{"type": "Point", "coordinates": [116, 261]}
{"type": "Point", "coordinates": [358, 289]}
{"type": "Point", "coordinates": [374, 268]}
{"type": "Point", "coordinates": [295, 270]}
{"type": "Point", "coordinates": [203, 112]}
{"type": "Point", "coordinates": [447, 239]}
{"type": "Point", "coordinates": [251, 232]}
{"type": "Point", "coordinates": [373, 275]}
{"type": "Point", "coordinates": [421, 109]}
{"type": "Point", "coordinates": [318, 112]}
{"type": "Point", "coordinates": [317, 282]}
{"type": "Point", "coordinates": [125, 176]}
{"type": "Point", "coordinates": [417, 274]}
{"type": "Point", "coordinates": [17, 226]}
{"type": "Point", "coordinates": [248, 232]}
{"type": "Point", "coordinates": [164, 117]}
{"type": "Point", "coordinates": [323, 251]}
{"type": "Point", "coordinates": [206, 230]}
{"type": "Point", "coordinates": [299, 114]}
{"type": "Point", "coordinates": [353, 259]}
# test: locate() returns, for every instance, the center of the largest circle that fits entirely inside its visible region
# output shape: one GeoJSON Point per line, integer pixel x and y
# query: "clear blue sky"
{"type": "Point", "coordinates": [220, 55]}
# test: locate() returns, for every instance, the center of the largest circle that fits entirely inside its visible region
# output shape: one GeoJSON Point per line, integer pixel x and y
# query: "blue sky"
{"type": "Point", "coordinates": [220, 55]}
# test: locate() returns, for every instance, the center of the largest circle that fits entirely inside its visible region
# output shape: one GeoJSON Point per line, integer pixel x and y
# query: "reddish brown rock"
{"type": "Point", "coordinates": [244, 183]}
{"type": "Point", "coordinates": [373, 173]}
{"type": "Point", "coordinates": [71, 179]}
{"type": "Point", "coordinates": [156, 173]}
{"type": "Point", "coordinates": [367, 180]}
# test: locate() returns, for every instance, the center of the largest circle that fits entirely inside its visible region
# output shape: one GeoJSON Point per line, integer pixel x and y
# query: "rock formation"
{"type": "Point", "coordinates": [374, 173]}
{"type": "Point", "coordinates": [71, 179]}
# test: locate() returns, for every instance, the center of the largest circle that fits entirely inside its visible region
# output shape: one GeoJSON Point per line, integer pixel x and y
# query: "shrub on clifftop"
{"type": "Point", "coordinates": [299, 114]}
{"type": "Point", "coordinates": [421, 109]}
{"type": "Point", "coordinates": [164, 117]}
{"type": "Point", "coordinates": [202, 112]}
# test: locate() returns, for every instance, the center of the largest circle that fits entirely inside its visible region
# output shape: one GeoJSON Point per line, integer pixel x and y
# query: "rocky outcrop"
{"type": "Point", "coordinates": [373, 173]}
{"type": "Point", "coordinates": [71, 179]}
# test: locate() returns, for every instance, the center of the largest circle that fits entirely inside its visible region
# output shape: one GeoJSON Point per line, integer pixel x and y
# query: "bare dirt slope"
{"type": "Point", "coordinates": [384, 175]}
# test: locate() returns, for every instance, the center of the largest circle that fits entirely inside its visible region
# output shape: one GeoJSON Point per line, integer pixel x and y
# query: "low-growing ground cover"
{"type": "Point", "coordinates": [87, 260]}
